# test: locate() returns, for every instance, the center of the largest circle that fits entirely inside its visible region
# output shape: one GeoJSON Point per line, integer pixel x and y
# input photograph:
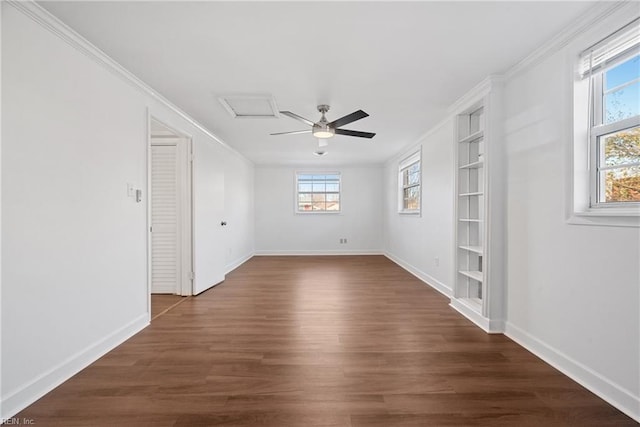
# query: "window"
{"type": "Point", "coordinates": [612, 68]}
{"type": "Point", "coordinates": [409, 180]}
{"type": "Point", "coordinates": [318, 192]}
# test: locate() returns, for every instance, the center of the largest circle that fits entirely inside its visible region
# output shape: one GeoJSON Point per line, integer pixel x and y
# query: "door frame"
{"type": "Point", "coordinates": [185, 158]}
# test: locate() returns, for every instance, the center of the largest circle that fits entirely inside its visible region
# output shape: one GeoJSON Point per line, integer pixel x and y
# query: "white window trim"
{"type": "Point", "coordinates": [315, 172]}
{"type": "Point", "coordinates": [407, 161]}
{"type": "Point", "coordinates": [621, 208]}
{"type": "Point", "coordinates": [583, 155]}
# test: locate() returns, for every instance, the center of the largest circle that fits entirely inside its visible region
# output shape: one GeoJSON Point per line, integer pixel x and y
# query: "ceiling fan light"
{"type": "Point", "coordinates": [323, 131]}
{"type": "Point", "coordinates": [322, 134]}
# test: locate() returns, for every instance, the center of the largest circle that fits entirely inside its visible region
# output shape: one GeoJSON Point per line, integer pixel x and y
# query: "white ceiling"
{"type": "Point", "coordinates": [403, 63]}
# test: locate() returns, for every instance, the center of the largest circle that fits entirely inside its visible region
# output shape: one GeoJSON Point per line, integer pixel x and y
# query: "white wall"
{"type": "Point", "coordinates": [74, 246]}
{"type": "Point", "coordinates": [573, 294]}
{"type": "Point", "coordinates": [416, 241]}
{"type": "Point", "coordinates": [279, 230]}
{"type": "Point", "coordinates": [239, 211]}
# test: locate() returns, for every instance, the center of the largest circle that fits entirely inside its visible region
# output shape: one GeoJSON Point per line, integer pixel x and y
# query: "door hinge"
{"type": "Point", "coordinates": [151, 229]}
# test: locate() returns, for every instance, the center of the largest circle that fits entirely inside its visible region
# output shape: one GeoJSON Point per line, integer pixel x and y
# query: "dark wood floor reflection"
{"type": "Point", "coordinates": [326, 341]}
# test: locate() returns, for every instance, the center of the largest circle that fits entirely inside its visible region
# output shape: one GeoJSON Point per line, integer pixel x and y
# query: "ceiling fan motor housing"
{"type": "Point", "coordinates": [321, 129]}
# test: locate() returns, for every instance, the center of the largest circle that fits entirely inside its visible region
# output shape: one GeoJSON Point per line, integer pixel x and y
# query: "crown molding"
{"type": "Point", "coordinates": [48, 21]}
{"type": "Point", "coordinates": [478, 91]}
{"type": "Point", "coordinates": [594, 15]}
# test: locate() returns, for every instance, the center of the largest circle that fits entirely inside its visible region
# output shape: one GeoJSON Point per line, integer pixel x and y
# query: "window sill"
{"type": "Point", "coordinates": [410, 213]}
{"type": "Point", "coordinates": [628, 217]}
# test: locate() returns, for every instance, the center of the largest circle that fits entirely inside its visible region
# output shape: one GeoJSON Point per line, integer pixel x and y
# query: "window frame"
{"type": "Point", "coordinates": [586, 56]}
{"type": "Point", "coordinates": [404, 165]}
{"type": "Point", "coordinates": [296, 205]}
{"type": "Point", "coordinates": [599, 129]}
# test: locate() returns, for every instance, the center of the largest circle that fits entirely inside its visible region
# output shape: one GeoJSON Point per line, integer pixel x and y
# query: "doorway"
{"type": "Point", "coordinates": [170, 215]}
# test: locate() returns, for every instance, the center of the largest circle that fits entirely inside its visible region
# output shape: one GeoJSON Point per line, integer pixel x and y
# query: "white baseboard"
{"type": "Point", "coordinates": [317, 252]}
{"type": "Point", "coordinates": [612, 393]}
{"type": "Point", "coordinates": [434, 283]}
{"type": "Point", "coordinates": [487, 325]}
{"type": "Point", "coordinates": [19, 399]}
{"type": "Point", "coordinates": [237, 263]}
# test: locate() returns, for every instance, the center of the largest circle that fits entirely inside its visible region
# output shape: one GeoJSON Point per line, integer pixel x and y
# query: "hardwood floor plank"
{"type": "Point", "coordinates": [162, 303]}
{"type": "Point", "coordinates": [320, 341]}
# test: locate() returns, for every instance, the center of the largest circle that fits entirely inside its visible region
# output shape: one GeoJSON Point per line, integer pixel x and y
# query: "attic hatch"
{"type": "Point", "coordinates": [250, 106]}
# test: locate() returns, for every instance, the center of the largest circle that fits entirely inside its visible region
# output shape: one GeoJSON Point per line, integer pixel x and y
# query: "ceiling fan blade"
{"type": "Point", "coordinates": [292, 132]}
{"type": "Point", "coordinates": [297, 117]}
{"type": "Point", "coordinates": [355, 133]}
{"type": "Point", "coordinates": [349, 118]}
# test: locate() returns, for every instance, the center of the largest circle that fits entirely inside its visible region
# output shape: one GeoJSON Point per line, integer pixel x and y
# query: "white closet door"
{"type": "Point", "coordinates": [165, 238]}
{"type": "Point", "coordinates": [209, 233]}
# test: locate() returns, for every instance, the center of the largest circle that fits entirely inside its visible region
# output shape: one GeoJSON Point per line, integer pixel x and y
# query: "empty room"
{"type": "Point", "coordinates": [320, 213]}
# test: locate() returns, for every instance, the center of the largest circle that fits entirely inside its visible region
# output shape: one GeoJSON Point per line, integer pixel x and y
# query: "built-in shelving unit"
{"type": "Point", "coordinates": [470, 279]}
{"type": "Point", "coordinates": [478, 290]}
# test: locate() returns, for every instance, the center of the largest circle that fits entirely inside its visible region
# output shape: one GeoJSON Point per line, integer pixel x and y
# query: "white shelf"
{"type": "Point", "coordinates": [472, 137]}
{"type": "Point", "coordinates": [474, 249]}
{"type": "Point", "coordinates": [478, 287]}
{"type": "Point", "coordinates": [475, 275]}
{"type": "Point", "coordinates": [474, 165]}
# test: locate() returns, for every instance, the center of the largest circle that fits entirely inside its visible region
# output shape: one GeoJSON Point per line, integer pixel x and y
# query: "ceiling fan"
{"type": "Point", "coordinates": [324, 129]}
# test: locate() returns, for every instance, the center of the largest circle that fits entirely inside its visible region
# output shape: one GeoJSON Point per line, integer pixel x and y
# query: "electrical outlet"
{"type": "Point", "coordinates": [436, 260]}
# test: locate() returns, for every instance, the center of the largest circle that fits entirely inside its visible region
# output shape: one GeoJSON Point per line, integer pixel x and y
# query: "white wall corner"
{"type": "Point", "coordinates": [16, 400]}
{"type": "Point", "coordinates": [612, 393]}
{"type": "Point", "coordinates": [426, 278]}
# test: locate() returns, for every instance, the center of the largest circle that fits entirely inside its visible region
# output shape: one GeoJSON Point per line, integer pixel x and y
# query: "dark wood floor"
{"type": "Point", "coordinates": [161, 303]}
{"type": "Point", "coordinates": [320, 341]}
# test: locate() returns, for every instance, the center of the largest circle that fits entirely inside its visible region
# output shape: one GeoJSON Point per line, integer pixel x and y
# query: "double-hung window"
{"type": "Point", "coordinates": [317, 192]}
{"type": "Point", "coordinates": [409, 183]}
{"type": "Point", "coordinates": [613, 69]}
